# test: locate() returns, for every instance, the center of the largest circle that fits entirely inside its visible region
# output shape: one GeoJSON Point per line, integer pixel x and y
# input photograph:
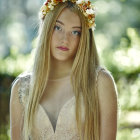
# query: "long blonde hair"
{"type": "Point", "coordinates": [83, 76]}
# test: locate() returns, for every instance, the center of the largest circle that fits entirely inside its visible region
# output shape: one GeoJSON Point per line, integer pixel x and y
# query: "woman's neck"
{"type": "Point", "coordinates": [60, 69]}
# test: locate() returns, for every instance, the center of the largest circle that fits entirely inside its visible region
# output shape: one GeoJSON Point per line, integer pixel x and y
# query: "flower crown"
{"type": "Point", "coordinates": [85, 7]}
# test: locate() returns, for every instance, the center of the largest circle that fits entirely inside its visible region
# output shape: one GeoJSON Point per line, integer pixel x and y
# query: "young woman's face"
{"type": "Point", "coordinates": [66, 36]}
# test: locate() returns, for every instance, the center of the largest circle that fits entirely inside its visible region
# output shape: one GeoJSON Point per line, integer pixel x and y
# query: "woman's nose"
{"type": "Point", "coordinates": [65, 37]}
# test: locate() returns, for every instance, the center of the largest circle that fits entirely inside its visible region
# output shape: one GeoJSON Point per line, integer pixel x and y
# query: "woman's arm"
{"type": "Point", "coordinates": [107, 93]}
{"type": "Point", "coordinates": [16, 113]}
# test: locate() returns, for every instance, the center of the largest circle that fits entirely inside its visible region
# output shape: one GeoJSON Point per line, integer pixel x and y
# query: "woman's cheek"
{"type": "Point", "coordinates": [77, 40]}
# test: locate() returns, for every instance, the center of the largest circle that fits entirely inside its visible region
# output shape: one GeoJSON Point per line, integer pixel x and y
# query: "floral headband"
{"type": "Point", "coordinates": [85, 7]}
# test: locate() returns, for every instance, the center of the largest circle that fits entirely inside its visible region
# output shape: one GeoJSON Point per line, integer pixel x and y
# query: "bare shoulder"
{"type": "Point", "coordinates": [106, 84]}
{"type": "Point", "coordinates": [107, 94]}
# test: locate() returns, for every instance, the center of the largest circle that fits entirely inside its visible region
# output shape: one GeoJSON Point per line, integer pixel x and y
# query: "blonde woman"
{"type": "Point", "coordinates": [67, 95]}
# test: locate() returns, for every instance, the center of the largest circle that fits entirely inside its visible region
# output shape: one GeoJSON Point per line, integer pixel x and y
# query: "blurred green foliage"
{"type": "Point", "coordinates": [16, 62]}
{"type": "Point", "coordinates": [117, 37]}
{"type": "Point", "coordinates": [129, 134]}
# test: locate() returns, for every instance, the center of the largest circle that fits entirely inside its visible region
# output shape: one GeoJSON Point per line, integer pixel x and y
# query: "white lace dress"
{"type": "Point", "coordinates": [66, 128]}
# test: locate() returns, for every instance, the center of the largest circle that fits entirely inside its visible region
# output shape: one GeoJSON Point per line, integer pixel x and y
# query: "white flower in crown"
{"type": "Point", "coordinates": [79, 1]}
{"type": "Point", "coordinates": [90, 11]}
{"type": "Point", "coordinates": [86, 1]}
{"type": "Point", "coordinates": [85, 14]}
{"type": "Point", "coordinates": [85, 6]}
{"type": "Point", "coordinates": [82, 1]}
{"type": "Point", "coordinates": [94, 27]}
{"type": "Point", "coordinates": [50, 6]}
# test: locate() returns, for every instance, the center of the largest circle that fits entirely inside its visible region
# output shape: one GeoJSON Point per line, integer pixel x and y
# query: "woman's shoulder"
{"type": "Point", "coordinates": [22, 79]}
{"type": "Point", "coordinates": [21, 86]}
{"type": "Point", "coordinates": [103, 75]}
{"type": "Point", "coordinates": [106, 85]}
{"type": "Point", "coordinates": [108, 104]}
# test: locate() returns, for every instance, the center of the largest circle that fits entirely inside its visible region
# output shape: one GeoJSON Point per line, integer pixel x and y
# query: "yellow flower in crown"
{"type": "Point", "coordinates": [85, 7]}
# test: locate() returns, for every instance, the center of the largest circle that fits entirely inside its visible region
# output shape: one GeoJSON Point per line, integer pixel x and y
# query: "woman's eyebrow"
{"type": "Point", "coordinates": [63, 24]}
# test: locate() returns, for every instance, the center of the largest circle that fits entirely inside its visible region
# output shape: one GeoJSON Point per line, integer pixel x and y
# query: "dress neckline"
{"type": "Point", "coordinates": [60, 79]}
{"type": "Point", "coordinates": [54, 130]}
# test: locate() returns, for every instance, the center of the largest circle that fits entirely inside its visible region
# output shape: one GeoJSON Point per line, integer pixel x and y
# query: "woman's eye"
{"type": "Point", "coordinates": [76, 33]}
{"type": "Point", "coordinates": [57, 27]}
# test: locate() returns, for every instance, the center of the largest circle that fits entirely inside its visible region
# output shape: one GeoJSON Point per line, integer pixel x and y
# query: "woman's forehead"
{"type": "Point", "coordinates": [67, 17]}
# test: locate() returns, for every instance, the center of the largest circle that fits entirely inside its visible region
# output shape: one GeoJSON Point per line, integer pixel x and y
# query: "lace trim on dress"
{"type": "Point", "coordinates": [23, 91]}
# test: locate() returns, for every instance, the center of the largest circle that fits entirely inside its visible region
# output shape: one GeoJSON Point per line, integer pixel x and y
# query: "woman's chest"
{"type": "Point", "coordinates": [65, 126]}
{"type": "Point", "coordinates": [55, 99]}
{"type": "Point", "coordinates": [53, 108]}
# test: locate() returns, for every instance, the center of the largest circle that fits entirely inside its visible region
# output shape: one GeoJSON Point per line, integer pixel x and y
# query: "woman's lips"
{"type": "Point", "coordinates": [63, 48]}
